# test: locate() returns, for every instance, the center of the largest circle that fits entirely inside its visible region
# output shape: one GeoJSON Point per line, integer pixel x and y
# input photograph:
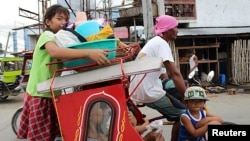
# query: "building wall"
{"type": "Point", "coordinates": [221, 13]}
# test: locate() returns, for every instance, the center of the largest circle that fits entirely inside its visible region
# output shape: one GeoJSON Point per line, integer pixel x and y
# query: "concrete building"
{"type": "Point", "coordinates": [219, 30]}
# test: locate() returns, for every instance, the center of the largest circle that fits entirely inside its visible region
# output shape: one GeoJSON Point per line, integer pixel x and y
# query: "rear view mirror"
{"type": "Point", "coordinates": [191, 75]}
{"type": "Point", "coordinates": [210, 76]}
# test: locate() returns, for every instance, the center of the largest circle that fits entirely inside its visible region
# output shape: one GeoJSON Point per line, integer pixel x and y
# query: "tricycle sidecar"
{"type": "Point", "coordinates": [10, 76]}
{"type": "Point", "coordinates": [100, 108]}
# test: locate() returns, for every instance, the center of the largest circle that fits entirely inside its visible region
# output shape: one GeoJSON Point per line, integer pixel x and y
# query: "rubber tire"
{"type": "Point", "coordinates": [3, 97]}
{"type": "Point", "coordinates": [15, 121]}
{"type": "Point", "coordinates": [228, 123]}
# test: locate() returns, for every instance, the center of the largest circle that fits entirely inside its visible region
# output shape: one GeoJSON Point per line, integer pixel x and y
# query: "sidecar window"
{"type": "Point", "coordinates": [12, 65]}
{"type": "Point", "coordinates": [99, 122]}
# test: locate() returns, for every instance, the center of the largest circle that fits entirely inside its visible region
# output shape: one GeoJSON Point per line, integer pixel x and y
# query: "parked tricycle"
{"type": "Point", "coordinates": [10, 76]}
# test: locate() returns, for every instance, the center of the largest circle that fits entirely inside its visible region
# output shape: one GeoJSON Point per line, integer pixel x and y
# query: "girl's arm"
{"type": "Point", "coordinates": [132, 118]}
{"type": "Point", "coordinates": [97, 55]}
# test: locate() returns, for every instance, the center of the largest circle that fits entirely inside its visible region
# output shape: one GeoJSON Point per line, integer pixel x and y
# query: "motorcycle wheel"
{"type": "Point", "coordinates": [16, 120]}
{"type": "Point", "coordinates": [3, 97]}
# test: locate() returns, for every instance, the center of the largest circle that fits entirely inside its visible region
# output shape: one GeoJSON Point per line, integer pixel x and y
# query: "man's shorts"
{"type": "Point", "coordinates": [166, 108]}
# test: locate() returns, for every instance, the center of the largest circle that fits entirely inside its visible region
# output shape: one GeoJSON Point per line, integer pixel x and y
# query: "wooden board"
{"type": "Point", "coordinates": [144, 65]}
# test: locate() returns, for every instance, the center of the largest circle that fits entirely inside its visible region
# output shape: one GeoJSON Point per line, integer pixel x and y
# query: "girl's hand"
{"type": "Point", "coordinates": [99, 56]}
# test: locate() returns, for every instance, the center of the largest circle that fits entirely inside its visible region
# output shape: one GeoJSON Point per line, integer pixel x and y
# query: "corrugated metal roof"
{"type": "Point", "coordinates": [213, 31]}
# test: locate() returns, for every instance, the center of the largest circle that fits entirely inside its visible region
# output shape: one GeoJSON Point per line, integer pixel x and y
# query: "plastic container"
{"type": "Point", "coordinates": [87, 28]}
{"type": "Point", "coordinates": [222, 79]}
{"type": "Point", "coordinates": [107, 44]}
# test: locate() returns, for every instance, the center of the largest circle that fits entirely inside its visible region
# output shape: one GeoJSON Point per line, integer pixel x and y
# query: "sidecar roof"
{"type": "Point", "coordinates": [145, 65]}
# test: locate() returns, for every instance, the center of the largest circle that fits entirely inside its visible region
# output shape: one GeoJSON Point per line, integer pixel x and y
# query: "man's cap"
{"type": "Point", "coordinates": [195, 92]}
{"type": "Point", "coordinates": [164, 23]}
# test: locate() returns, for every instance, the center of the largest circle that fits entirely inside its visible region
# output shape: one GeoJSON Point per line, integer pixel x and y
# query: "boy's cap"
{"type": "Point", "coordinates": [195, 92]}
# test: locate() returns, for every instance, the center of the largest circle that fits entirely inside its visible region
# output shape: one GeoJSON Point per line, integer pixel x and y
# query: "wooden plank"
{"type": "Point", "coordinates": [179, 1]}
{"type": "Point", "coordinates": [144, 65]}
{"type": "Point", "coordinates": [201, 61]}
{"type": "Point", "coordinates": [200, 47]}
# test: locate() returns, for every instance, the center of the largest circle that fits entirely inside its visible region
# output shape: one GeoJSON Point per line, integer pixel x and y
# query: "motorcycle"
{"type": "Point", "coordinates": [191, 76]}
{"type": "Point", "coordinates": [173, 94]}
{"type": "Point", "coordinates": [175, 97]}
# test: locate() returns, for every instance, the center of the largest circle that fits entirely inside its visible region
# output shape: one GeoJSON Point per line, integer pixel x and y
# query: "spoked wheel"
{"type": "Point", "coordinates": [3, 97]}
{"type": "Point", "coordinates": [16, 120]}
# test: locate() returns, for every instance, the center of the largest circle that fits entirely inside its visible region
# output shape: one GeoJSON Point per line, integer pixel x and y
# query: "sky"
{"type": "Point", "coordinates": [9, 19]}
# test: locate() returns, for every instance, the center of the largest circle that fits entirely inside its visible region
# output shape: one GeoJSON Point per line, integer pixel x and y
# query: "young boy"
{"type": "Point", "coordinates": [195, 120]}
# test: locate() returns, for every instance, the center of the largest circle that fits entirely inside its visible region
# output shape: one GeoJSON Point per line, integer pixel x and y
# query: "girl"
{"type": "Point", "coordinates": [38, 119]}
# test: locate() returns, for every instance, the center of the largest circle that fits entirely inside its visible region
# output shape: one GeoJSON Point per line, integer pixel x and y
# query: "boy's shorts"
{"type": "Point", "coordinates": [166, 108]}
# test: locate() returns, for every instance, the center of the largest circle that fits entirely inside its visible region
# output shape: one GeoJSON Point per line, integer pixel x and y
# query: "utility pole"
{"type": "Point", "coordinates": [161, 7]}
{"type": "Point", "coordinates": [7, 44]}
{"type": "Point", "coordinates": [147, 18]}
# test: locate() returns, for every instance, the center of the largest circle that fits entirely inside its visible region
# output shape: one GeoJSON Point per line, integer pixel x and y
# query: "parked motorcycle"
{"type": "Point", "coordinates": [198, 82]}
{"type": "Point", "coordinates": [175, 97]}
{"type": "Point", "coordinates": [173, 94]}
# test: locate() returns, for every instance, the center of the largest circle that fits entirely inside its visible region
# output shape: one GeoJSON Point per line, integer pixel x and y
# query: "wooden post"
{"type": "Point", "coordinates": [161, 7]}
{"type": "Point", "coordinates": [7, 44]}
{"type": "Point", "coordinates": [147, 18]}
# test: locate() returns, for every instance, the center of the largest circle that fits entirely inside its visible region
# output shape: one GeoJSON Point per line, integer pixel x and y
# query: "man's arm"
{"type": "Point", "coordinates": [176, 76]}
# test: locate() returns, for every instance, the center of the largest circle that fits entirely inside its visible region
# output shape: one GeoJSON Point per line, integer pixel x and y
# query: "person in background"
{"type": "Point", "coordinates": [96, 117]}
{"type": "Point", "coordinates": [39, 120]}
{"type": "Point", "coordinates": [150, 92]}
{"type": "Point", "coordinates": [193, 63]}
{"type": "Point", "coordinates": [195, 120]}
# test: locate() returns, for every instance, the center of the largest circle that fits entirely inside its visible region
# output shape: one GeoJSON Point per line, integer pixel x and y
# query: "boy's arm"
{"type": "Point", "coordinates": [194, 132]}
{"type": "Point", "coordinates": [215, 117]}
{"type": "Point", "coordinates": [210, 119]}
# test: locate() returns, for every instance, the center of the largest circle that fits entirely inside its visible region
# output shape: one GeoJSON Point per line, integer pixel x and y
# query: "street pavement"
{"type": "Point", "coordinates": [233, 108]}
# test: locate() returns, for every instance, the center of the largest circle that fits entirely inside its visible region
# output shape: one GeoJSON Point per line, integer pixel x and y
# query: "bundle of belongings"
{"type": "Point", "coordinates": [83, 30]}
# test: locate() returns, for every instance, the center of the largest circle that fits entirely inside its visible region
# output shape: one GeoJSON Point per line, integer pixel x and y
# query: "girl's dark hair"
{"type": "Point", "coordinates": [53, 10]}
